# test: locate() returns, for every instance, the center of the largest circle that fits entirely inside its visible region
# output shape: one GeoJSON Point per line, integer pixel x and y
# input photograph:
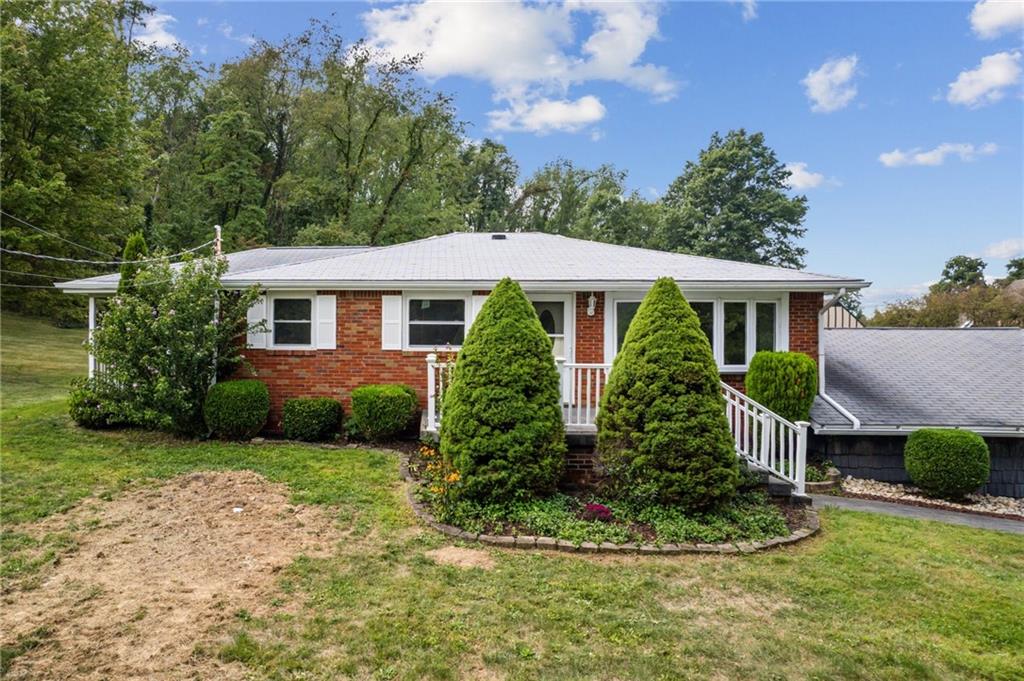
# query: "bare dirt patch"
{"type": "Point", "coordinates": [159, 573]}
{"type": "Point", "coordinates": [461, 557]}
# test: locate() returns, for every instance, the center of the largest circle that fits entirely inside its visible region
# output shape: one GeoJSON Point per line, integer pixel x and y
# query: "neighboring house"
{"type": "Point", "coordinates": [838, 317]}
{"type": "Point", "coordinates": [881, 384]}
{"type": "Point", "coordinates": [344, 317]}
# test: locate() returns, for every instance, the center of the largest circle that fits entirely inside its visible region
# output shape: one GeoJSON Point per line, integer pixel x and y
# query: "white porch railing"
{"type": "Point", "coordinates": [761, 436]}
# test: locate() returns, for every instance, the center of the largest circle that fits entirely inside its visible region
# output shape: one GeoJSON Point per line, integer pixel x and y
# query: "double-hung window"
{"type": "Point", "coordinates": [436, 322]}
{"type": "Point", "coordinates": [292, 320]}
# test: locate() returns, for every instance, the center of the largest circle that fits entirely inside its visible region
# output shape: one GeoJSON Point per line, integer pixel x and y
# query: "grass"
{"type": "Point", "coordinates": [872, 597]}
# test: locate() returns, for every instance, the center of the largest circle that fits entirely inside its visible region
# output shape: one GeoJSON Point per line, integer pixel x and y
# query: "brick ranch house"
{"type": "Point", "coordinates": [341, 317]}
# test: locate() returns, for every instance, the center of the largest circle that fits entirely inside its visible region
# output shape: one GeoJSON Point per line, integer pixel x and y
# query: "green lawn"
{"type": "Point", "coordinates": [871, 597]}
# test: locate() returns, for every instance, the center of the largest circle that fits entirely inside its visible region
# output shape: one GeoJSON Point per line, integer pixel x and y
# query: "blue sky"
{"type": "Point", "coordinates": [904, 121]}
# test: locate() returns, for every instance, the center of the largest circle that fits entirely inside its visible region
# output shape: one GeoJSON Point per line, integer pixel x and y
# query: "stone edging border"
{"type": "Point", "coordinates": [423, 513]}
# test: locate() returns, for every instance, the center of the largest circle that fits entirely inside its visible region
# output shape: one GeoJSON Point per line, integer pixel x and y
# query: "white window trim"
{"type": "Point", "coordinates": [568, 323]}
{"type": "Point", "coordinates": [466, 297]}
{"type": "Point", "coordinates": [290, 295]}
{"type": "Point", "coordinates": [718, 299]}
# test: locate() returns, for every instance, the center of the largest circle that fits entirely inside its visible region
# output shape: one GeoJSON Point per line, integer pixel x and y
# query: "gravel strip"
{"type": "Point", "coordinates": [978, 503]}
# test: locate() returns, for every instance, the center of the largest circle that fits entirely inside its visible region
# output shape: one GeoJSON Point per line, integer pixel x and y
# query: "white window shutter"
{"type": "Point", "coordinates": [256, 314]}
{"type": "Point", "coordinates": [477, 304]}
{"type": "Point", "coordinates": [326, 323]}
{"type": "Point", "coordinates": [391, 322]}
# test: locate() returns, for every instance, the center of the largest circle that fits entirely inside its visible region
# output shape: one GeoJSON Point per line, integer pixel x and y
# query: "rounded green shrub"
{"type": "Point", "coordinates": [88, 407]}
{"type": "Point", "coordinates": [380, 412]}
{"type": "Point", "coordinates": [946, 463]}
{"type": "Point", "coordinates": [237, 410]}
{"type": "Point", "coordinates": [662, 431]}
{"type": "Point", "coordinates": [502, 416]}
{"type": "Point", "coordinates": [785, 382]}
{"type": "Point", "coordinates": [312, 419]}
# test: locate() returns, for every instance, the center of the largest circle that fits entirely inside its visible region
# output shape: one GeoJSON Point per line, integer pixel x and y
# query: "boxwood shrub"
{"type": "Point", "coordinates": [785, 382]}
{"type": "Point", "coordinates": [946, 463]}
{"type": "Point", "coordinates": [382, 411]}
{"type": "Point", "coordinates": [237, 410]}
{"type": "Point", "coordinates": [312, 419]}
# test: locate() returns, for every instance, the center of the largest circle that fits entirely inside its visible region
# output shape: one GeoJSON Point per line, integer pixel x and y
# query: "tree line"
{"type": "Point", "coordinates": [311, 140]}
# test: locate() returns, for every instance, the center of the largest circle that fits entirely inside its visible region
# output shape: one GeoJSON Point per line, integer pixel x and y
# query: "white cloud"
{"type": "Point", "coordinates": [526, 52]}
{"type": "Point", "coordinates": [156, 32]}
{"type": "Point", "coordinates": [228, 31]}
{"type": "Point", "coordinates": [988, 82]}
{"type": "Point", "coordinates": [1005, 249]}
{"type": "Point", "coordinates": [874, 298]}
{"type": "Point", "coordinates": [936, 156]}
{"type": "Point", "coordinates": [830, 87]}
{"type": "Point", "coordinates": [548, 115]}
{"type": "Point", "coordinates": [749, 9]}
{"type": "Point", "coordinates": [202, 21]}
{"type": "Point", "coordinates": [802, 178]}
{"type": "Point", "coordinates": [990, 18]}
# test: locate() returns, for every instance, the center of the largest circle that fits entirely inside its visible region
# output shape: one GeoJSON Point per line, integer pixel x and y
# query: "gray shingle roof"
{"type": "Point", "coordinates": [470, 259]}
{"type": "Point", "coordinates": [924, 377]}
{"type": "Point", "coordinates": [478, 260]}
{"type": "Point", "coordinates": [238, 263]}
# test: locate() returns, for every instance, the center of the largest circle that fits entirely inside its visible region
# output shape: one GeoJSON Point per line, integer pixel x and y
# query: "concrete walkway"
{"type": "Point", "coordinates": [921, 513]}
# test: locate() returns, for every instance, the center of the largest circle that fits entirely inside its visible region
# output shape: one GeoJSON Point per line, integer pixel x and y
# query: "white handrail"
{"type": "Point", "coordinates": [760, 436]}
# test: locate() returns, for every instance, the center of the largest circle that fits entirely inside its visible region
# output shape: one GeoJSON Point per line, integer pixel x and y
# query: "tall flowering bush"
{"type": "Point", "coordinates": [162, 344]}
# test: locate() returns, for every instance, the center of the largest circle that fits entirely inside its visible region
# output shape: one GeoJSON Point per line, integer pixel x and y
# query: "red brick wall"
{"type": "Point", "coordinates": [589, 330]}
{"type": "Point", "coordinates": [358, 359]}
{"type": "Point", "coordinates": [803, 322]}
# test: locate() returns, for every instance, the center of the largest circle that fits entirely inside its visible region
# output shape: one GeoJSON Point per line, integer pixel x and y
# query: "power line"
{"type": "Point", "coordinates": [51, 234]}
{"type": "Point", "coordinates": [99, 262]}
{"type": "Point", "coordinates": [41, 276]}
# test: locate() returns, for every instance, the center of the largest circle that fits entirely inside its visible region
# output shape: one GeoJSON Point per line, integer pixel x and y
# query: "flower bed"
{"type": "Point", "coordinates": [585, 522]}
{"type": "Point", "coordinates": [983, 504]}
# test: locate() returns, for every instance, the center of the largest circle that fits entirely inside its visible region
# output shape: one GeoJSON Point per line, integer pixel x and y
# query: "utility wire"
{"type": "Point", "coordinates": [40, 276]}
{"type": "Point", "coordinates": [99, 262]}
{"type": "Point", "coordinates": [51, 234]}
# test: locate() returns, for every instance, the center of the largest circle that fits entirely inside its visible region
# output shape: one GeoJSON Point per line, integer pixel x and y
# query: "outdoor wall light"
{"type": "Point", "coordinates": [591, 305]}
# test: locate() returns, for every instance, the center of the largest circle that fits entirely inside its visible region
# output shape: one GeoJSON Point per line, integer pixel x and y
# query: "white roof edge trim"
{"type": "Point", "coordinates": [990, 431]}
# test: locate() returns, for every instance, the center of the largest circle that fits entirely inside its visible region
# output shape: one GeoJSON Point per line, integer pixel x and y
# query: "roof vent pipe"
{"type": "Point", "coordinates": [498, 237]}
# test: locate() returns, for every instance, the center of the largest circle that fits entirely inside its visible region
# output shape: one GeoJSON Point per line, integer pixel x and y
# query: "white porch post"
{"type": "Point", "coordinates": [801, 456]}
{"type": "Point", "coordinates": [431, 394]}
{"type": "Point", "coordinates": [92, 327]}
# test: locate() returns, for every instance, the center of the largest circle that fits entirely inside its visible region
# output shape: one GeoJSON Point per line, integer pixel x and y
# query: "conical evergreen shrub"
{"type": "Point", "coordinates": [662, 430]}
{"type": "Point", "coordinates": [135, 248]}
{"type": "Point", "coordinates": [502, 417]}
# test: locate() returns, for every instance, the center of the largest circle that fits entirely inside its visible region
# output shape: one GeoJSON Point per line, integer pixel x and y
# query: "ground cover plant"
{"type": "Point", "coordinates": [870, 597]}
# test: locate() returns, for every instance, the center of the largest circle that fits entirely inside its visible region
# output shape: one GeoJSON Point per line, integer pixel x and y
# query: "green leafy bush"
{"type": "Point", "coordinates": [662, 429]}
{"type": "Point", "coordinates": [237, 410]}
{"type": "Point", "coordinates": [946, 463]}
{"type": "Point", "coordinates": [383, 411]}
{"type": "Point", "coordinates": [312, 419]}
{"type": "Point", "coordinates": [166, 340]}
{"type": "Point", "coordinates": [502, 425]}
{"type": "Point", "coordinates": [785, 382]}
{"type": "Point", "coordinates": [89, 407]}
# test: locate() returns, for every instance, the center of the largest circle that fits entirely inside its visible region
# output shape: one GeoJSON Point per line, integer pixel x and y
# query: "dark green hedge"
{"type": "Point", "coordinates": [946, 463]}
{"type": "Point", "coordinates": [380, 412]}
{"type": "Point", "coordinates": [313, 419]}
{"type": "Point", "coordinates": [502, 416]}
{"type": "Point", "coordinates": [237, 410]}
{"type": "Point", "coordinates": [785, 382]}
{"type": "Point", "coordinates": [662, 431]}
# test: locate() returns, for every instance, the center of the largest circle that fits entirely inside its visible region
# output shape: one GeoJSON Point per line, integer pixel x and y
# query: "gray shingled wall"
{"type": "Point", "coordinates": [880, 457]}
